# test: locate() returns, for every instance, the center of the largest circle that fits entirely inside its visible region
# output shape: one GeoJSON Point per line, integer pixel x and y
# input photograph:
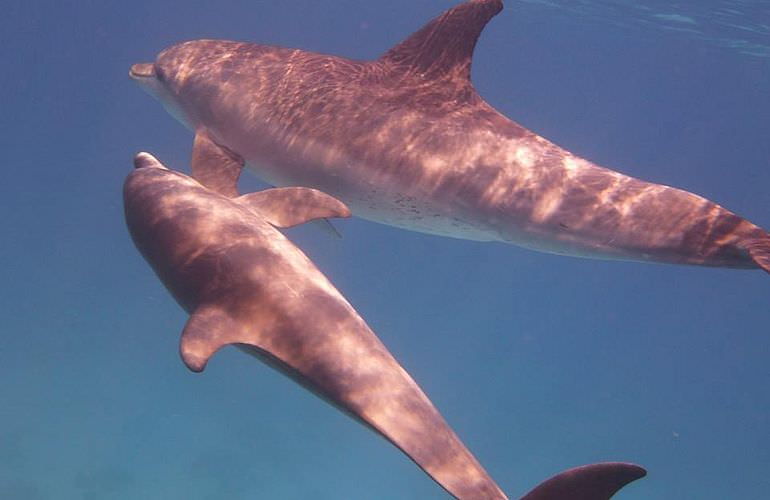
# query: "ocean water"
{"type": "Point", "coordinates": [539, 362]}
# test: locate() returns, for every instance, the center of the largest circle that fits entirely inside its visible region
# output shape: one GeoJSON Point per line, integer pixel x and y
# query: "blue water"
{"type": "Point", "coordinates": [539, 362]}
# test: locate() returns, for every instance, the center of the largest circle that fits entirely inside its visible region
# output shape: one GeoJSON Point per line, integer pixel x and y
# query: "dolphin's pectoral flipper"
{"type": "Point", "coordinates": [286, 207]}
{"type": "Point", "coordinates": [589, 482]}
{"type": "Point", "coordinates": [214, 166]}
{"type": "Point", "coordinates": [445, 45]}
{"type": "Point", "coordinates": [209, 328]}
{"type": "Point", "coordinates": [760, 251]}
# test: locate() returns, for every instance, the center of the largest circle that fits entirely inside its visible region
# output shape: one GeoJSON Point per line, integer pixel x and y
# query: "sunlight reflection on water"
{"type": "Point", "coordinates": [741, 25]}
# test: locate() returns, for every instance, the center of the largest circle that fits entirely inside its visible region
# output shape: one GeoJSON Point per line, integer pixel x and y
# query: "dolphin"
{"type": "Point", "coordinates": [244, 283]}
{"type": "Point", "coordinates": [406, 140]}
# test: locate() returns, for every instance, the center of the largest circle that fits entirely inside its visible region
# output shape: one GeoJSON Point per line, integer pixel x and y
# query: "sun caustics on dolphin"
{"type": "Point", "coordinates": [406, 140]}
{"type": "Point", "coordinates": [244, 283]}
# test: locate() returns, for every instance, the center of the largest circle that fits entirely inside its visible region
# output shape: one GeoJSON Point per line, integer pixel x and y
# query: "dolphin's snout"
{"type": "Point", "coordinates": [146, 160]}
{"type": "Point", "coordinates": [142, 70]}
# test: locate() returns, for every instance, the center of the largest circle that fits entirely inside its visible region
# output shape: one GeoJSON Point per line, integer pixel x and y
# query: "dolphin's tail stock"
{"type": "Point", "coordinates": [759, 250]}
{"type": "Point", "coordinates": [589, 482]}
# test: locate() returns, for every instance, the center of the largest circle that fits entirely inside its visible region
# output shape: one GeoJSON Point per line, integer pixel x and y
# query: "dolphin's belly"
{"type": "Point", "coordinates": [408, 211]}
{"type": "Point", "coordinates": [396, 206]}
{"type": "Point", "coordinates": [525, 193]}
{"type": "Point", "coordinates": [467, 210]}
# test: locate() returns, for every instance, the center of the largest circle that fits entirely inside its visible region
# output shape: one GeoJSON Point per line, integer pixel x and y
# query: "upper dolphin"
{"type": "Point", "coordinates": [244, 283]}
{"type": "Point", "coordinates": [406, 140]}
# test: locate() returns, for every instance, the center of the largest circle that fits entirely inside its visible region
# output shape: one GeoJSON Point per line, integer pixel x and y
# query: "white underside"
{"type": "Point", "coordinates": [403, 210]}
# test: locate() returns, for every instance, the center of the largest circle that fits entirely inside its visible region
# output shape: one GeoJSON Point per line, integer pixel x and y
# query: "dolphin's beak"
{"type": "Point", "coordinates": [152, 82]}
{"type": "Point", "coordinates": [141, 71]}
{"type": "Point", "coordinates": [144, 74]}
{"type": "Point", "coordinates": [146, 160]}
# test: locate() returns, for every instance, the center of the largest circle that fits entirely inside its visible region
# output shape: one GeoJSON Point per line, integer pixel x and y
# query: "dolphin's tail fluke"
{"type": "Point", "coordinates": [589, 482]}
{"type": "Point", "coordinates": [759, 250]}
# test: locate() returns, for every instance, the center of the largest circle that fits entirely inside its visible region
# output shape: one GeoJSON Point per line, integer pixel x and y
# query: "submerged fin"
{"type": "Point", "coordinates": [214, 166]}
{"type": "Point", "coordinates": [327, 227]}
{"type": "Point", "coordinates": [286, 207]}
{"type": "Point", "coordinates": [589, 482]}
{"type": "Point", "coordinates": [445, 45]}
{"type": "Point", "coordinates": [759, 250]}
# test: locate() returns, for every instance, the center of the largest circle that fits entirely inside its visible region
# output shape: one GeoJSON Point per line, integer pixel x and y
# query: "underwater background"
{"type": "Point", "coordinates": [539, 362]}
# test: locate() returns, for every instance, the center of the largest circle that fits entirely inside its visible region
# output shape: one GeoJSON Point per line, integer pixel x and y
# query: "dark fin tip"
{"type": "Point", "coordinates": [195, 366]}
{"type": "Point", "coordinates": [760, 252]}
{"type": "Point", "coordinates": [192, 360]}
{"type": "Point", "coordinates": [588, 482]}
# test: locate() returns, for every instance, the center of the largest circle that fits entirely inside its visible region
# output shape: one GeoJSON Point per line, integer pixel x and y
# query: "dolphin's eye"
{"type": "Point", "coordinates": [160, 75]}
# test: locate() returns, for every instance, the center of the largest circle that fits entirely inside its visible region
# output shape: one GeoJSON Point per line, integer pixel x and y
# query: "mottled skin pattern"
{"type": "Point", "coordinates": [245, 284]}
{"type": "Point", "coordinates": [406, 140]}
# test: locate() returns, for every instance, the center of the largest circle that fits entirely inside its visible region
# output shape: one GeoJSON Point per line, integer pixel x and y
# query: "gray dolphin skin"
{"type": "Point", "coordinates": [589, 482]}
{"type": "Point", "coordinates": [245, 284]}
{"type": "Point", "coordinates": [406, 140]}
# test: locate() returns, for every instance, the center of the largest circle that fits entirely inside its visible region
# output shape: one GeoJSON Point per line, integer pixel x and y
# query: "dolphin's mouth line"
{"type": "Point", "coordinates": [142, 70]}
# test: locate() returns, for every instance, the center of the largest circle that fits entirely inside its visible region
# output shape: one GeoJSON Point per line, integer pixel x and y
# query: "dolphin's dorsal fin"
{"type": "Point", "coordinates": [286, 207]}
{"type": "Point", "coordinates": [444, 46]}
{"type": "Point", "coordinates": [215, 166]}
{"type": "Point", "coordinates": [589, 482]}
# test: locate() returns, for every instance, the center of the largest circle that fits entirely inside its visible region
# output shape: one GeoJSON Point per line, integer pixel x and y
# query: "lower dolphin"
{"type": "Point", "coordinates": [243, 283]}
